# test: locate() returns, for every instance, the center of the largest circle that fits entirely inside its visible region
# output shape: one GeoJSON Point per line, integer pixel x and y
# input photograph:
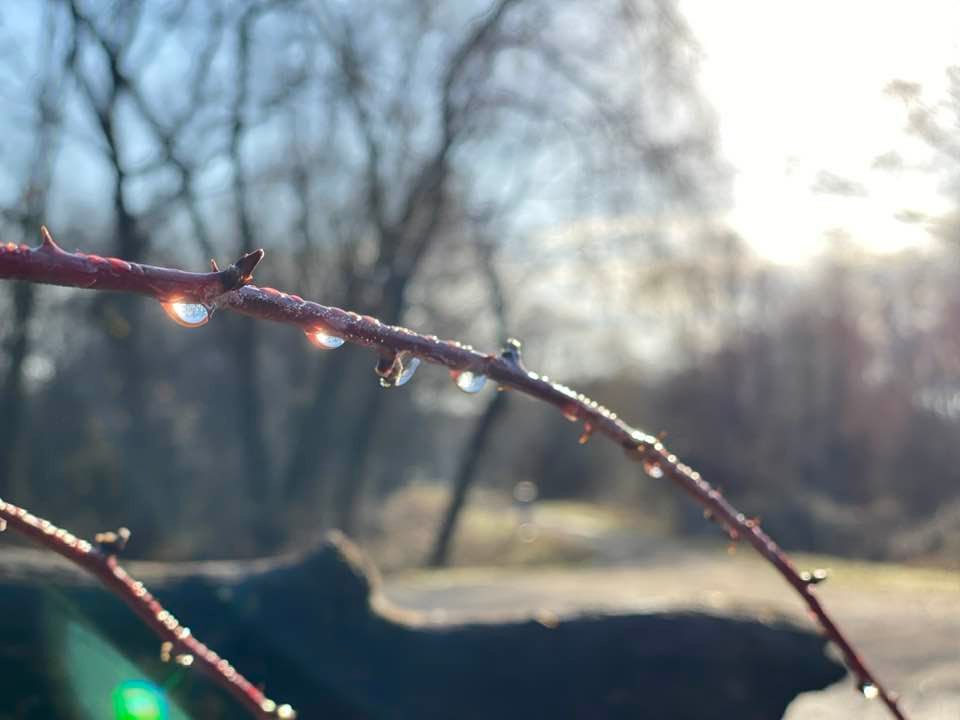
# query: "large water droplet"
{"type": "Point", "coordinates": [397, 370]}
{"type": "Point", "coordinates": [869, 690]}
{"type": "Point", "coordinates": [469, 381]}
{"type": "Point", "coordinates": [189, 315]}
{"type": "Point", "coordinates": [324, 340]}
{"type": "Point", "coordinates": [409, 368]}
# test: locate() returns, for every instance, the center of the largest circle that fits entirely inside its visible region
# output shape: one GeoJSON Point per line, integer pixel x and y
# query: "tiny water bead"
{"type": "Point", "coordinates": [469, 381]}
{"type": "Point", "coordinates": [815, 577]}
{"type": "Point", "coordinates": [868, 690]}
{"type": "Point", "coordinates": [324, 340]}
{"type": "Point", "coordinates": [188, 315]}
{"type": "Point", "coordinates": [652, 469]}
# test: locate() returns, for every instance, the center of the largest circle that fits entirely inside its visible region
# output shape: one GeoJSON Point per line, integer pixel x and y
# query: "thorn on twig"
{"type": "Point", "coordinates": [47, 240]}
{"type": "Point", "coordinates": [214, 266]}
{"type": "Point", "coordinates": [112, 543]}
{"type": "Point", "coordinates": [241, 272]}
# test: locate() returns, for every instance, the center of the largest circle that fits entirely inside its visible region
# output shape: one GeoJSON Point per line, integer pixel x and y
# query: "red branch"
{"type": "Point", "coordinates": [102, 564]}
{"type": "Point", "coordinates": [231, 289]}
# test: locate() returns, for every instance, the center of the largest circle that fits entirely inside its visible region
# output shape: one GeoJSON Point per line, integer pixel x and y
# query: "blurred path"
{"type": "Point", "coordinates": [906, 621]}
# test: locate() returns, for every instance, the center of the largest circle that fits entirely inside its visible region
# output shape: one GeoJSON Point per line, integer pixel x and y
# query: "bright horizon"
{"type": "Point", "coordinates": [799, 91]}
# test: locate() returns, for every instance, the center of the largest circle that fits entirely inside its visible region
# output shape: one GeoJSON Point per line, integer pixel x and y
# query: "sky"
{"type": "Point", "coordinates": [799, 92]}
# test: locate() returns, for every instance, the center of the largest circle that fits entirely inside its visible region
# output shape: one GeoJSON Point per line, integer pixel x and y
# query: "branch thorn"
{"type": "Point", "coordinates": [47, 240]}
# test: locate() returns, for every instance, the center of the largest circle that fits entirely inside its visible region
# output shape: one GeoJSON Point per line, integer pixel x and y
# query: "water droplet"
{"type": "Point", "coordinates": [585, 435]}
{"type": "Point", "coordinates": [652, 469]}
{"type": "Point", "coordinates": [184, 660]}
{"type": "Point", "coordinates": [868, 690]}
{"type": "Point", "coordinates": [397, 370]}
{"type": "Point", "coordinates": [165, 649]}
{"type": "Point", "coordinates": [285, 712]}
{"type": "Point", "coordinates": [570, 412]}
{"type": "Point", "coordinates": [3, 524]}
{"type": "Point", "coordinates": [815, 577]}
{"type": "Point", "coordinates": [268, 705]}
{"type": "Point", "coordinates": [409, 368]}
{"type": "Point", "coordinates": [189, 315]}
{"type": "Point", "coordinates": [324, 340]}
{"type": "Point", "coordinates": [469, 381]}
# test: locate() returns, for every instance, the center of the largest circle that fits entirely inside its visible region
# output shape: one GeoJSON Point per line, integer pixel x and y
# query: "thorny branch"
{"type": "Point", "coordinates": [231, 289]}
{"type": "Point", "coordinates": [100, 560]}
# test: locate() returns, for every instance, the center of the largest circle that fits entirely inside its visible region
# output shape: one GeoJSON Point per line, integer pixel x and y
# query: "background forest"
{"type": "Point", "coordinates": [546, 170]}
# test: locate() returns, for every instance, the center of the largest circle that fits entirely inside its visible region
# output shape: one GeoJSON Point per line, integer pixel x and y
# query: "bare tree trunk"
{"type": "Point", "coordinates": [244, 340]}
{"type": "Point", "coordinates": [466, 473]}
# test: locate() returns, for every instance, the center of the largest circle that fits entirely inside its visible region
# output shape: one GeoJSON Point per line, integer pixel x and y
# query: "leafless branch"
{"type": "Point", "coordinates": [230, 289]}
{"type": "Point", "coordinates": [100, 560]}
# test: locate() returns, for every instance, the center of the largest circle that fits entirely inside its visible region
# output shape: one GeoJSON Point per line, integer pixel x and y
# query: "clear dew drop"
{"type": "Point", "coordinates": [324, 340]}
{"type": "Point", "coordinates": [188, 315]}
{"type": "Point", "coordinates": [869, 690]}
{"type": "Point", "coordinates": [396, 370]}
{"type": "Point", "coordinates": [409, 368]}
{"type": "Point", "coordinates": [468, 381]}
{"type": "Point", "coordinates": [652, 469]}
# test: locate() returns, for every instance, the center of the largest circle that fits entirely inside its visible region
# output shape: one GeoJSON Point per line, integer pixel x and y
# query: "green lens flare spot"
{"type": "Point", "coordinates": [139, 700]}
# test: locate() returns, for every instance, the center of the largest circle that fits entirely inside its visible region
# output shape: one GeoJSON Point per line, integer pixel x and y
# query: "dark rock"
{"type": "Point", "coordinates": [314, 629]}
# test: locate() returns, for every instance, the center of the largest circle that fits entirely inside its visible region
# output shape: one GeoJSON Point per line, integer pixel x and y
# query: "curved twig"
{"type": "Point", "coordinates": [100, 560]}
{"type": "Point", "coordinates": [230, 289]}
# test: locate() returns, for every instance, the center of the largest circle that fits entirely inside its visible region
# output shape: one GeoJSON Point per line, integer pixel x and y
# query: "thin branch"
{"type": "Point", "coordinates": [230, 289]}
{"type": "Point", "coordinates": [101, 561]}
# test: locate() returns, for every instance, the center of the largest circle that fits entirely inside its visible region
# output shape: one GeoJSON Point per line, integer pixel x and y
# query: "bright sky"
{"type": "Point", "coordinates": [799, 90]}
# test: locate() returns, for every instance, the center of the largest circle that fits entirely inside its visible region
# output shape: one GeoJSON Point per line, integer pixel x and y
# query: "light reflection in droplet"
{"type": "Point", "coordinates": [188, 315]}
{"type": "Point", "coordinates": [469, 381]}
{"type": "Point", "coordinates": [869, 690]}
{"type": "Point", "coordinates": [409, 368]}
{"type": "Point", "coordinates": [396, 370]}
{"type": "Point", "coordinates": [324, 340]}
